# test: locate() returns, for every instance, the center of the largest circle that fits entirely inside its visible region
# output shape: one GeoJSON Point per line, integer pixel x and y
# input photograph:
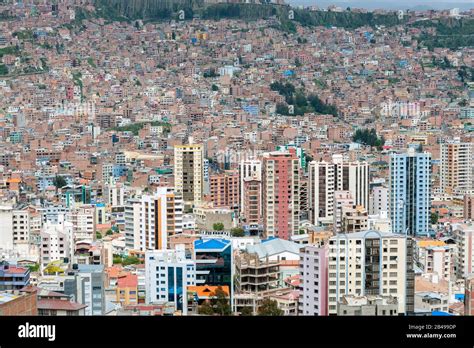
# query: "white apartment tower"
{"type": "Point", "coordinates": [151, 219]}
{"type": "Point", "coordinates": [325, 178]}
{"type": "Point", "coordinates": [167, 276]}
{"type": "Point", "coordinates": [371, 263]}
{"type": "Point", "coordinates": [56, 243]}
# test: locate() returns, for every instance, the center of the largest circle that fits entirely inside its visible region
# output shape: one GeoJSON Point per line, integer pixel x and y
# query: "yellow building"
{"type": "Point", "coordinates": [127, 290]}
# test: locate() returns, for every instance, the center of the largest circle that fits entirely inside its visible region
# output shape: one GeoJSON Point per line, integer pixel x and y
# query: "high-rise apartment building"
{"type": "Point", "coordinates": [252, 198]}
{"type": "Point", "coordinates": [189, 173]}
{"type": "Point", "coordinates": [167, 276]}
{"type": "Point", "coordinates": [151, 219]}
{"type": "Point", "coordinates": [19, 225]}
{"type": "Point", "coordinates": [410, 202]}
{"type": "Point", "coordinates": [379, 200]}
{"type": "Point", "coordinates": [214, 262]}
{"type": "Point", "coordinates": [371, 263]}
{"type": "Point", "coordinates": [456, 167]}
{"type": "Point", "coordinates": [280, 172]}
{"type": "Point", "coordinates": [321, 191]}
{"type": "Point", "coordinates": [248, 169]}
{"type": "Point", "coordinates": [352, 176]}
{"type": "Point", "coordinates": [325, 178]}
{"type": "Point", "coordinates": [224, 189]}
{"type": "Point", "coordinates": [83, 220]}
{"type": "Point", "coordinates": [313, 299]}
{"type": "Point", "coordinates": [464, 253]}
{"type": "Point", "coordinates": [132, 223]}
{"type": "Point", "coordinates": [56, 242]}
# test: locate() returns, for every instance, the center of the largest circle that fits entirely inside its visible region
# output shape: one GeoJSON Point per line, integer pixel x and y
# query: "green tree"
{"type": "Point", "coordinates": [127, 260]}
{"type": "Point", "coordinates": [246, 312]}
{"type": "Point", "coordinates": [220, 302]}
{"type": "Point", "coordinates": [109, 232]}
{"type": "Point", "coordinates": [434, 218]}
{"type": "Point", "coordinates": [368, 137]}
{"type": "Point", "coordinates": [34, 268]}
{"type": "Point", "coordinates": [269, 308]}
{"type": "Point", "coordinates": [3, 69]}
{"type": "Point", "coordinates": [98, 235]}
{"type": "Point", "coordinates": [59, 182]}
{"type": "Point", "coordinates": [218, 226]}
{"type": "Point", "coordinates": [237, 232]}
{"type": "Point", "coordinates": [214, 88]}
{"type": "Point", "coordinates": [206, 309]}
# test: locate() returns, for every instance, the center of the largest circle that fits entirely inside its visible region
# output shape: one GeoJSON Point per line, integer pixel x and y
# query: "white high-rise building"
{"type": "Point", "coordinates": [83, 220]}
{"type": "Point", "coordinates": [371, 263]}
{"type": "Point", "coordinates": [379, 200]}
{"type": "Point", "coordinates": [6, 223]}
{"type": "Point", "coordinates": [18, 226]}
{"type": "Point", "coordinates": [167, 276]}
{"type": "Point", "coordinates": [56, 241]}
{"type": "Point", "coordinates": [325, 178]}
{"type": "Point", "coordinates": [464, 252]}
{"type": "Point", "coordinates": [114, 194]}
{"type": "Point", "coordinates": [151, 219]}
{"type": "Point", "coordinates": [132, 224]}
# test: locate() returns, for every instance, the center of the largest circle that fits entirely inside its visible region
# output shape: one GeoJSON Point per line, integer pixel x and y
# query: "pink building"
{"type": "Point", "coordinates": [280, 173]}
{"type": "Point", "coordinates": [314, 278]}
{"type": "Point", "coordinates": [225, 189]}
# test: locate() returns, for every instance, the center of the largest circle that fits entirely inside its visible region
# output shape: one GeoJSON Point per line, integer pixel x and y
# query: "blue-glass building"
{"type": "Point", "coordinates": [410, 175]}
{"type": "Point", "coordinates": [214, 262]}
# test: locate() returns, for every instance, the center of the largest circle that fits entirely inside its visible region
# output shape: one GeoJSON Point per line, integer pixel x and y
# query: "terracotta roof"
{"type": "Point", "coordinates": [128, 281]}
{"type": "Point", "coordinates": [205, 291]}
{"type": "Point", "coordinates": [14, 180]}
{"type": "Point", "coordinates": [56, 304]}
{"type": "Point", "coordinates": [16, 270]}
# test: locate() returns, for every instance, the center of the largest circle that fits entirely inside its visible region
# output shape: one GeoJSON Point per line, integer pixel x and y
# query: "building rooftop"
{"type": "Point", "coordinates": [206, 291]}
{"type": "Point", "coordinates": [211, 244]}
{"type": "Point", "coordinates": [273, 246]}
{"type": "Point", "coordinates": [8, 296]}
{"type": "Point", "coordinates": [128, 281]}
{"type": "Point", "coordinates": [367, 234]}
{"type": "Point", "coordinates": [57, 304]}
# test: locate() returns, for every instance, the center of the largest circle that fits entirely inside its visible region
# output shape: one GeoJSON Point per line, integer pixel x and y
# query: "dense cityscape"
{"type": "Point", "coordinates": [235, 158]}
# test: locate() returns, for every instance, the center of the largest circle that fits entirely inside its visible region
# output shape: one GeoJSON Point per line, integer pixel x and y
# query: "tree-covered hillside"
{"type": "Point", "coordinates": [150, 10]}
